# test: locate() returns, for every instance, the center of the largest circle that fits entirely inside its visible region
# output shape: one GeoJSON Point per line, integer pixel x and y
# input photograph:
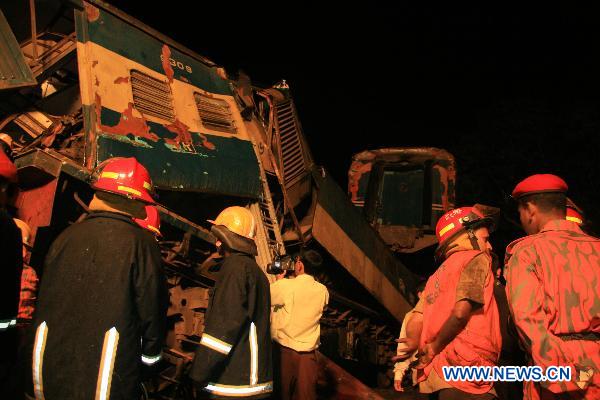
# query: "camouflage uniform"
{"type": "Point", "coordinates": [553, 289]}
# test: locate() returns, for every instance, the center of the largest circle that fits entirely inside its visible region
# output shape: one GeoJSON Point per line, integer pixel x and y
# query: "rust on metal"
{"type": "Point", "coordinates": [128, 123]}
{"type": "Point", "coordinates": [183, 135]}
{"type": "Point", "coordinates": [446, 175]}
{"type": "Point", "coordinates": [121, 80]}
{"type": "Point", "coordinates": [93, 13]}
{"type": "Point", "coordinates": [357, 169]}
{"type": "Point", "coordinates": [33, 30]}
{"type": "Point", "coordinates": [166, 54]}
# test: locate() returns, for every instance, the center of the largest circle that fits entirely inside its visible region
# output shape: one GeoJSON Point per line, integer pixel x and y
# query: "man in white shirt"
{"type": "Point", "coordinates": [297, 304]}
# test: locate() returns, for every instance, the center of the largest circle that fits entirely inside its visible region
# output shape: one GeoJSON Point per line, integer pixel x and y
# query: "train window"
{"type": "Point", "coordinates": [152, 96]}
{"type": "Point", "coordinates": [215, 113]}
{"type": "Point", "coordinates": [401, 197]}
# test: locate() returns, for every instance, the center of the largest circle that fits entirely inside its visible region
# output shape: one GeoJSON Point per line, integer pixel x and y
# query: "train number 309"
{"type": "Point", "coordinates": [178, 64]}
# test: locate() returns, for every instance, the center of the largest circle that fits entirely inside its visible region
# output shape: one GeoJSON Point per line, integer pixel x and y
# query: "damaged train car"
{"type": "Point", "coordinates": [403, 192]}
{"type": "Point", "coordinates": [85, 82]}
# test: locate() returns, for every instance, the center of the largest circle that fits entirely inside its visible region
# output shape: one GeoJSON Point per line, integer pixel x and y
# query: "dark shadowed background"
{"type": "Point", "coordinates": [510, 91]}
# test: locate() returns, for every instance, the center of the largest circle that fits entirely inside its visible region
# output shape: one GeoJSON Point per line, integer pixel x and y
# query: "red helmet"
{"type": "Point", "coordinates": [457, 221]}
{"type": "Point", "coordinates": [7, 169]}
{"type": "Point", "coordinates": [125, 177]}
{"type": "Point", "coordinates": [151, 222]}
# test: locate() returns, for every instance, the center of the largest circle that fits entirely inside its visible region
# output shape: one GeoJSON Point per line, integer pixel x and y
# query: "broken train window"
{"type": "Point", "coordinates": [215, 113]}
{"type": "Point", "coordinates": [152, 96]}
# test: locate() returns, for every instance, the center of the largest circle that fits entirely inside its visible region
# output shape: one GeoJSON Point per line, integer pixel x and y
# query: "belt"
{"type": "Point", "coordinates": [592, 336]}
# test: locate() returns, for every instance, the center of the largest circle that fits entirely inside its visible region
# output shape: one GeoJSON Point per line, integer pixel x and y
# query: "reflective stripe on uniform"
{"type": "Point", "coordinates": [7, 323]}
{"type": "Point", "coordinates": [213, 343]}
{"type": "Point", "coordinates": [151, 360]}
{"type": "Point", "coordinates": [39, 347]}
{"type": "Point", "coordinates": [574, 219]}
{"type": "Point", "coordinates": [238, 391]}
{"type": "Point", "coordinates": [253, 355]}
{"type": "Point", "coordinates": [147, 186]}
{"type": "Point", "coordinates": [109, 352]}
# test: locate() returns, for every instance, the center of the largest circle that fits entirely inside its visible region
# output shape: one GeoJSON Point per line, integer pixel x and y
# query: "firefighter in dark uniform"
{"type": "Point", "coordinates": [10, 274]}
{"type": "Point", "coordinates": [103, 299]}
{"type": "Point", "coordinates": [234, 359]}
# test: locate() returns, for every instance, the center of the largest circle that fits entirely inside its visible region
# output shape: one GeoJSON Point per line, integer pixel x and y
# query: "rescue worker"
{"type": "Point", "coordinates": [403, 373]}
{"type": "Point", "coordinates": [574, 213]}
{"type": "Point", "coordinates": [553, 290]}
{"type": "Point", "coordinates": [102, 304]}
{"type": "Point", "coordinates": [298, 304]}
{"type": "Point", "coordinates": [10, 278]}
{"type": "Point", "coordinates": [29, 279]}
{"type": "Point", "coordinates": [459, 324]}
{"type": "Point", "coordinates": [234, 356]}
{"type": "Point", "coordinates": [511, 353]}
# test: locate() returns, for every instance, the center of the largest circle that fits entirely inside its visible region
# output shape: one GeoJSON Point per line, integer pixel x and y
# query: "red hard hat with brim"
{"type": "Point", "coordinates": [151, 222]}
{"type": "Point", "coordinates": [540, 183]}
{"type": "Point", "coordinates": [125, 177]}
{"type": "Point", "coordinates": [456, 222]}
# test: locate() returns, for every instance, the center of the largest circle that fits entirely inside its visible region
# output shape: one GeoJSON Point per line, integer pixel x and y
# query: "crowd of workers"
{"type": "Point", "coordinates": [97, 322]}
{"type": "Point", "coordinates": [106, 271]}
{"type": "Point", "coordinates": [550, 303]}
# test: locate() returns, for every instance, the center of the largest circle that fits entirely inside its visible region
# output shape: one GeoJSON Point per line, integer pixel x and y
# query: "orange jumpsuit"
{"type": "Point", "coordinates": [479, 343]}
{"type": "Point", "coordinates": [553, 290]}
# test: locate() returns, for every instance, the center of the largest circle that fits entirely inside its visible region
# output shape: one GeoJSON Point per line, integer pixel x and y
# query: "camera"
{"type": "Point", "coordinates": [280, 265]}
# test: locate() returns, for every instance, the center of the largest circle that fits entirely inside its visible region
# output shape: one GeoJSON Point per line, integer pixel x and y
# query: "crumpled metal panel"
{"type": "Point", "coordinates": [362, 164]}
{"type": "Point", "coordinates": [233, 170]}
{"type": "Point", "coordinates": [180, 152]}
{"type": "Point", "coordinates": [347, 236]}
{"type": "Point", "coordinates": [14, 71]}
{"type": "Point", "coordinates": [403, 191]}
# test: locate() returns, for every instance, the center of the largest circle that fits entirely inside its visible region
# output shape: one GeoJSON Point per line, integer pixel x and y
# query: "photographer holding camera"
{"type": "Point", "coordinates": [297, 303]}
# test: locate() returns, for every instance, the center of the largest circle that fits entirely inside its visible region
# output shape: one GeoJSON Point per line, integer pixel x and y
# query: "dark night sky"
{"type": "Point", "coordinates": [509, 91]}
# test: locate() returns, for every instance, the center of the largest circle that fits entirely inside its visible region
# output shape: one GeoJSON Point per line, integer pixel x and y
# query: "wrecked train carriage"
{"type": "Point", "coordinates": [402, 192]}
{"type": "Point", "coordinates": [96, 83]}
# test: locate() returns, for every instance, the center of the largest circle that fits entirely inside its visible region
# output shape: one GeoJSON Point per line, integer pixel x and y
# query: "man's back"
{"type": "Point", "coordinates": [101, 291]}
{"type": "Point", "coordinates": [552, 288]}
{"type": "Point", "coordinates": [567, 261]}
{"type": "Point", "coordinates": [297, 308]}
{"type": "Point", "coordinates": [234, 358]}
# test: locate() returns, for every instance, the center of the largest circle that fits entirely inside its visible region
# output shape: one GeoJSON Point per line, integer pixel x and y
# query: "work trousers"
{"type": "Point", "coordinates": [298, 374]}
